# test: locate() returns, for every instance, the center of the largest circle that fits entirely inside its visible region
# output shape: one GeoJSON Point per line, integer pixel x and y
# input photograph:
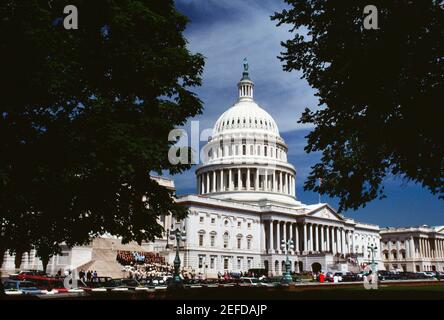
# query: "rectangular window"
{"type": "Point", "coordinates": [249, 263]}
{"type": "Point", "coordinates": [239, 264]}
{"type": "Point", "coordinates": [249, 225]}
{"type": "Point", "coordinates": [248, 244]}
{"type": "Point", "coordinates": [200, 262]}
{"type": "Point", "coordinates": [201, 240]}
{"type": "Point", "coordinates": [213, 220]}
{"type": "Point", "coordinates": [201, 219]}
{"type": "Point", "coordinates": [226, 263]}
{"type": "Point", "coordinates": [239, 243]}
{"type": "Point", "coordinates": [212, 263]}
{"type": "Point", "coordinates": [239, 224]}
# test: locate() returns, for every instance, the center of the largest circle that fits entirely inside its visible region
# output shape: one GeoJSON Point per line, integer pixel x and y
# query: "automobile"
{"type": "Point", "coordinates": [429, 274]}
{"type": "Point", "coordinates": [248, 282]}
{"type": "Point", "coordinates": [157, 282]}
{"type": "Point", "coordinates": [98, 282]}
{"type": "Point", "coordinates": [13, 287]}
{"type": "Point", "coordinates": [328, 277]}
{"type": "Point", "coordinates": [338, 275]}
{"type": "Point", "coordinates": [269, 283]}
{"type": "Point", "coordinates": [349, 277]}
{"type": "Point", "coordinates": [28, 275]}
{"type": "Point", "coordinates": [122, 283]}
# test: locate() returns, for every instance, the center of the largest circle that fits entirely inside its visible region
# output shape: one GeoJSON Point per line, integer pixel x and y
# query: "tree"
{"type": "Point", "coordinates": [84, 119]}
{"type": "Point", "coordinates": [380, 93]}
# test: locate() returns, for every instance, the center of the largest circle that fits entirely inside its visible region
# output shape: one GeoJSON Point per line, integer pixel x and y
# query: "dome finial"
{"type": "Point", "coordinates": [245, 73]}
{"type": "Point", "coordinates": [245, 85]}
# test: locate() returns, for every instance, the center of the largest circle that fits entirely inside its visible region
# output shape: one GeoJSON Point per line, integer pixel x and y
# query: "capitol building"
{"type": "Point", "coordinates": [246, 207]}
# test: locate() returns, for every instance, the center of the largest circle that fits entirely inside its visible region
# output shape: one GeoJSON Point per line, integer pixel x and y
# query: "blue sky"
{"type": "Point", "coordinates": [226, 31]}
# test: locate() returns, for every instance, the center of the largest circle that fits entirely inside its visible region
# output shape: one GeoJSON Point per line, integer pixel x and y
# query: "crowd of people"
{"type": "Point", "coordinates": [133, 258]}
{"type": "Point", "coordinates": [85, 276]}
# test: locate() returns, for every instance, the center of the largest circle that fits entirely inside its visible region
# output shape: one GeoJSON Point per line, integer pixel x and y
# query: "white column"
{"type": "Point", "coordinates": [280, 181]}
{"type": "Point", "coordinates": [221, 182]}
{"type": "Point", "coordinates": [230, 179]}
{"type": "Point", "coordinates": [248, 178]}
{"type": "Point", "coordinates": [305, 237]}
{"type": "Point", "coordinates": [214, 181]}
{"type": "Point", "coordinates": [296, 238]}
{"type": "Point", "coordinates": [291, 235]}
{"type": "Point", "coordinates": [343, 240]}
{"type": "Point", "coordinates": [338, 240]}
{"type": "Point", "coordinates": [352, 249]}
{"type": "Point", "coordinates": [398, 249]}
{"type": "Point", "coordinates": [316, 230]}
{"type": "Point", "coordinates": [284, 233]}
{"type": "Point", "coordinates": [256, 184]}
{"type": "Point", "coordinates": [327, 238]}
{"type": "Point", "coordinates": [334, 248]}
{"type": "Point", "coordinates": [271, 244]}
{"type": "Point", "coordinates": [263, 238]}
{"type": "Point", "coordinates": [239, 181]}
{"type": "Point", "coordinates": [207, 187]}
{"type": "Point", "coordinates": [412, 248]}
{"type": "Point", "coordinates": [310, 247]}
{"type": "Point", "coordinates": [289, 185]}
{"type": "Point", "coordinates": [278, 236]}
{"type": "Point", "coordinates": [322, 239]}
{"type": "Point", "coordinates": [274, 180]}
{"type": "Point", "coordinates": [202, 184]}
{"type": "Point", "coordinates": [266, 180]}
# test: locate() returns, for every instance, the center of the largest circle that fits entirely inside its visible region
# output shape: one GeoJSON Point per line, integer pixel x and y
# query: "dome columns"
{"type": "Point", "coordinates": [250, 179]}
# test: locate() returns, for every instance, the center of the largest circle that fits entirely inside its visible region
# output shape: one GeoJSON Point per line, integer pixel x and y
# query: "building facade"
{"type": "Point", "coordinates": [414, 249]}
{"type": "Point", "coordinates": [246, 205]}
{"type": "Point", "coordinates": [245, 208]}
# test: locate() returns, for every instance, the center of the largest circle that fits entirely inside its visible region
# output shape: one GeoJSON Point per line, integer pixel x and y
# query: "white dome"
{"type": "Point", "coordinates": [246, 115]}
{"type": "Point", "coordinates": [246, 159]}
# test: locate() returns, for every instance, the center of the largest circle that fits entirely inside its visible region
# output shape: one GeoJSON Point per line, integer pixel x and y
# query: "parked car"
{"type": "Point", "coordinates": [338, 275]}
{"type": "Point", "coordinates": [21, 287]}
{"type": "Point", "coordinates": [429, 274]}
{"type": "Point", "coordinates": [99, 282]}
{"type": "Point", "coordinates": [28, 275]}
{"type": "Point", "coordinates": [122, 283]}
{"type": "Point", "coordinates": [349, 277]}
{"type": "Point", "coordinates": [248, 281]}
{"type": "Point", "coordinates": [266, 282]}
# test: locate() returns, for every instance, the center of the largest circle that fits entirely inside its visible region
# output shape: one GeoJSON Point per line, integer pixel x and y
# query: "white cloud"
{"type": "Point", "coordinates": [252, 34]}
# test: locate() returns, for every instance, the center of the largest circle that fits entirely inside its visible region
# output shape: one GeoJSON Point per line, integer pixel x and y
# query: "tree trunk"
{"type": "Point", "coordinates": [45, 261]}
{"type": "Point", "coordinates": [18, 259]}
{"type": "Point", "coordinates": [2, 256]}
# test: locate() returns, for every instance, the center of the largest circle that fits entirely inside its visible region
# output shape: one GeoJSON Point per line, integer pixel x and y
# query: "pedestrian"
{"type": "Point", "coordinates": [95, 276]}
{"type": "Point", "coordinates": [88, 276]}
{"type": "Point", "coordinates": [321, 277]}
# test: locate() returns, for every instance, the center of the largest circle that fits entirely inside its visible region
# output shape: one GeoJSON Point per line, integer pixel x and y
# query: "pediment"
{"type": "Point", "coordinates": [326, 212]}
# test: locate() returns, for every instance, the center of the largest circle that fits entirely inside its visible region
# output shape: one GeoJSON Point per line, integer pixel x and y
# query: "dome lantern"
{"type": "Point", "coordinates": [245, 85]}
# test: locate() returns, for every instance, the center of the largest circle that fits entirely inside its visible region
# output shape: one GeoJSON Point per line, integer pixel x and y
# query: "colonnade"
{"type": "Point", "coordinates": [309, 237]}
{"type": "Point", "coordinates": [246, 179]}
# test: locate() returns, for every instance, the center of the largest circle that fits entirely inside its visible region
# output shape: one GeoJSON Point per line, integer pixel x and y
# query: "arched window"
{"type": "Point", "coordinates": [201, 234]}
{"type": "Point", "coordinates": [213, 238]}
{"type": "Point", "coordinates": [249, 241]}
{"type": "Point", "coordinates": [226, 239]}
{"type": "Point", "coordinates": [239, 241]}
